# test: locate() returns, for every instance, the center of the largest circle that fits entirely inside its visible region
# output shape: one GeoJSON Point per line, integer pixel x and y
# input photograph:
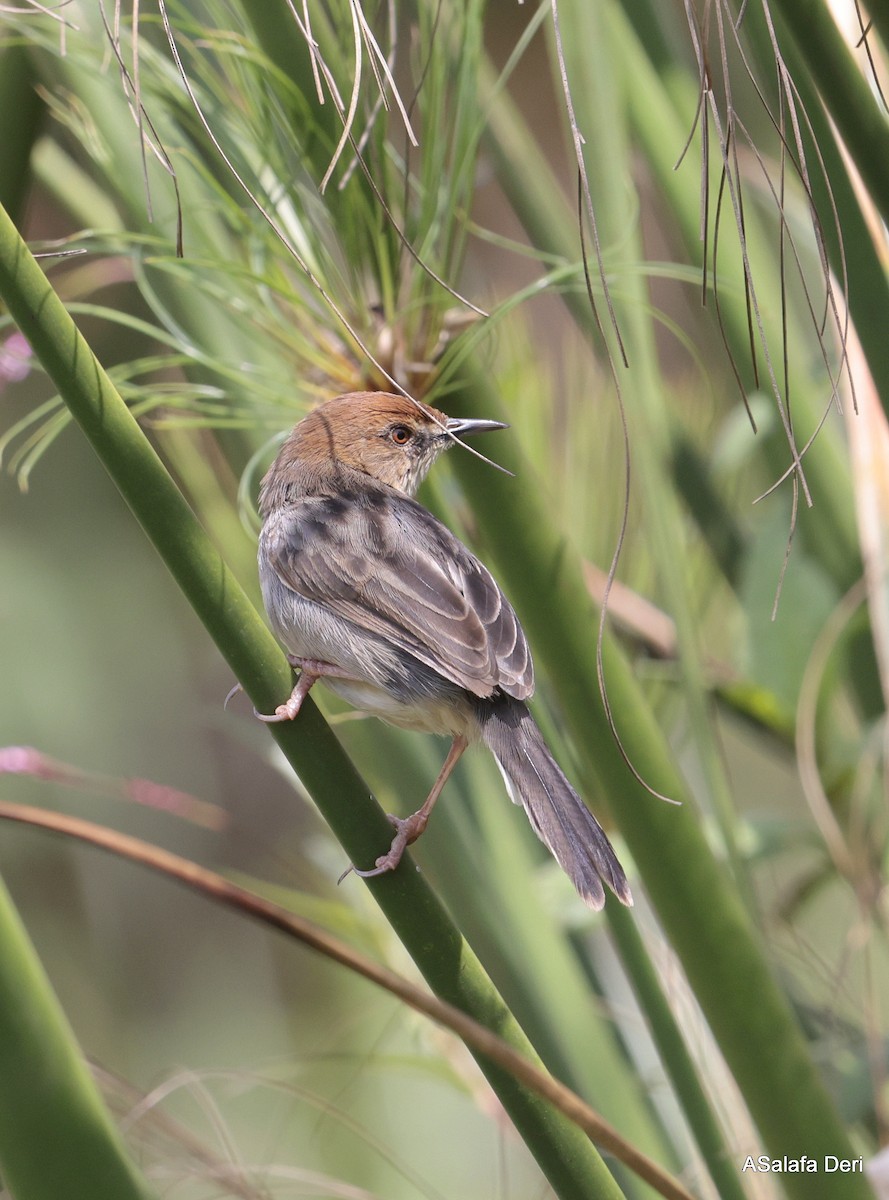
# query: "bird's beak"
{"type": "Point", "coordinates": [462, 425]}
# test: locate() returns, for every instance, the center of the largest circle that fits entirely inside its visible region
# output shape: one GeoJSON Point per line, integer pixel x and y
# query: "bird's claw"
{"type": "Point", "coordinates": [284, 712]}
{"type": "Point", "coordinates": [407, 830]}
{"type": "Point", "coordinates": [386, 862]}
{"type": "Point", "coordinates": [291, 706]}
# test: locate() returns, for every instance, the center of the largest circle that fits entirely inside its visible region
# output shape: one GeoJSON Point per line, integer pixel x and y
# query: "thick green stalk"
{"type": "Point", "coordinates": [570, 1162]}
{"type": "Point", "coordinates": [846, 94]}
{"type": "Point", "coordinates": [697, 906]}
{"type": "Point", "coordinates": [56, 1135]}
{"type": "Point", "coordinates": [811, 55]}
{"type": "Point", "coordinates": [21, 110]}
{"type": "Point", "coordinates": [677, 1060]}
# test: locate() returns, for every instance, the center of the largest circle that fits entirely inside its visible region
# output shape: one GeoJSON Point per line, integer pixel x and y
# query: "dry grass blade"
{"type": "Point", "coordinates": [133, 92]}
{"type": "Point", "coordinates": [378, 105]}
{"type": "Point", "coordinates": [175, 1137]}
{"type": "Point", "coordinates": [320, 67]}
{"type": "Point", "coordinates": [386, 79]}
{"type": "Point", "coordinates": [363, 36]}
{"type": "Point", "coordinates": [793, 130]}
{"type": "Point", "coordinates": [349, 115]}
{"type": "Point", "coordinates": [41, 9]}
{"type": "Point", "coordinates": [306, 26]}
{"type": "Point", "coordinates": [728, 145]}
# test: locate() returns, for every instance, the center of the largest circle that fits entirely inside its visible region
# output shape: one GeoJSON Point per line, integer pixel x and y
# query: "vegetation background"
{"type": "Point", "coordinates": [699, 190]}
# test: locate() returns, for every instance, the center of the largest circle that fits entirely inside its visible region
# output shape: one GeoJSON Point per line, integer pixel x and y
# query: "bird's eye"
{"type": "Point", "coordinates": [400, 435]}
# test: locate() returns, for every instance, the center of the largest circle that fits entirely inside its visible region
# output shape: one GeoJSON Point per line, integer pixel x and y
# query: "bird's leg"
{"type": "Point", "coordinates": [310, 671]}
{"type": "Point", "coordinates": [408, 829]}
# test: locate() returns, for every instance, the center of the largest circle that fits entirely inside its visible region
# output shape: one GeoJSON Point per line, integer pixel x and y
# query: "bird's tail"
{"type": "Point", "coordinates": [560, 818]}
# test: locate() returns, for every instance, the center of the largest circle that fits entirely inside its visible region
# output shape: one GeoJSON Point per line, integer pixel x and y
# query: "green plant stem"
{"type": "Point", "coordinates": [56, 1135]}
{"type": "Point", "coordinates": [697, 906]}
{"type": "Point", "coordinates": [21, 110]}
{"type": "Point", "coordinates": [712, 515]}
{"type": "Point", "coordinates": [567, 1158]}
{"type": "Point", "coordinates": [677, 1061]}
{"type": "Point", "coordinates": [845, 92]}
{"type": "Point", "coordinates": [836, 97]}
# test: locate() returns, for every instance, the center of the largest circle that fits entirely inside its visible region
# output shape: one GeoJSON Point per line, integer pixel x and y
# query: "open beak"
{"type": "Point", "coordinates": [460, 425]}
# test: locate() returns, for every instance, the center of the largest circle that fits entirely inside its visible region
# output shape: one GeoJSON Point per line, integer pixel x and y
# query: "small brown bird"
{"type": "Point", "coordinates": [371, 594]}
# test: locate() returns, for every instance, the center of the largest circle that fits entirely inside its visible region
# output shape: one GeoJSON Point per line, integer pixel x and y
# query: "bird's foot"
{"type": "Point", "coordinates": [407, 830]}
{"type": "Point", "coordinates": [310, 671]}
{"type": "Point", "coordinates": [286, 711]}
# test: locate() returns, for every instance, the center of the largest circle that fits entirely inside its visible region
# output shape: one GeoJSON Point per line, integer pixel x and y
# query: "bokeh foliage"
{"type": "Point", "coordinates": [728, 270]}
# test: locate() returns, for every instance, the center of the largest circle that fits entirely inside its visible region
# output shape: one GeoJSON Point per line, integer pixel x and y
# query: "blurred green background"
{"type": "Point", "coordinates": [266, 1070]}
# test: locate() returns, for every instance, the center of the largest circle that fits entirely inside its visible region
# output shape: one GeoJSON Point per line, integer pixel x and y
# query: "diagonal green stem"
{"type": "Point", "coordinates": [568, 1159]}
{"type": "Point", "coordinates": [56, 1136]}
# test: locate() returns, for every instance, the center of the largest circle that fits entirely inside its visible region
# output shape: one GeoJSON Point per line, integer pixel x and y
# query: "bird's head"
{"type": "Point", "coordinates": [388, 437]}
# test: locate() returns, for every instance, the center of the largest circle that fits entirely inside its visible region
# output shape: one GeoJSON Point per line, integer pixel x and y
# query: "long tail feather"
{"type": "Point", "coordinates": [558, 815]}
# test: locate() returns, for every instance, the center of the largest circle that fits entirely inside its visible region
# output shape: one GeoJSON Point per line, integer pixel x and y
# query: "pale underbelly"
{"type": "Point", "coordinates": [453, 718]}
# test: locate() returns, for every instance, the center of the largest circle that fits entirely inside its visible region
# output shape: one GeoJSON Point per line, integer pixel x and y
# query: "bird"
{"type": "Point", "coordinates": [377, 599]}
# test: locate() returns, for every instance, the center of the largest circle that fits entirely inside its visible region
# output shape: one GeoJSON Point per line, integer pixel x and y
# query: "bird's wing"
{"type": "Point", "coordinates": [386, 564]}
